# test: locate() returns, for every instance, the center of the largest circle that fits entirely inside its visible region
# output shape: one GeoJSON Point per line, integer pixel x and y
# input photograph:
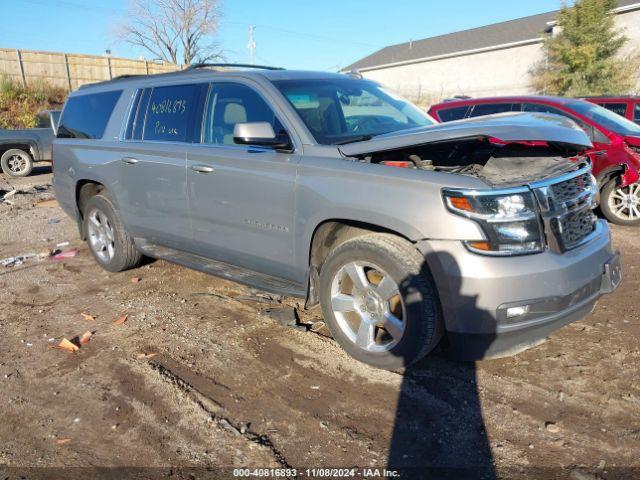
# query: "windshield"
{"type": "Point", "coordinates": [606, 118]}
{"type": "Point", "coordinates": [343, 110]}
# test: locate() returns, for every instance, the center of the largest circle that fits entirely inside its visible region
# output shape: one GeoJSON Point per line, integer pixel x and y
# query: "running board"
{"type": "Point", "coordinates": [242, 275]}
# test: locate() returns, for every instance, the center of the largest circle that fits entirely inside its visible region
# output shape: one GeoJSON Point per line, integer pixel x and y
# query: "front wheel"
{"type": "Point", "coordinates": [16, 163]}
{"type": "Point", "coordinates": [621, 205]}
{"type": "Point", "coordinates": [379, 301]}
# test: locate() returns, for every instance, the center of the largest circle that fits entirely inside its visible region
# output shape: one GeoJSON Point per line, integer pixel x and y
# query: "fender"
{"type": "Point", "coordinates": [625, 174]}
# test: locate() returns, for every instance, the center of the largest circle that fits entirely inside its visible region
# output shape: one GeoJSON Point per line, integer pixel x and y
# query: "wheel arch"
{"type": "Point", "coordinates": [622, 173]}
{"type": "Point", "coordinates": [85, 189]}
{"type": "Point", "coordinates": [326, 236]}
{"type": "Point", "coordinates": [28, 146]}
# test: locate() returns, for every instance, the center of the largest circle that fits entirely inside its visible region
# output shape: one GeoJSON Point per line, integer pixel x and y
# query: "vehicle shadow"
{"type": "Point", "coordinates": [41, 169]}
{"type": "Point", "coordinates": [439, 431]}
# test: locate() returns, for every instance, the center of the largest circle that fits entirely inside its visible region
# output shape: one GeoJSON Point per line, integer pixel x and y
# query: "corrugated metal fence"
{"type": "Point", "coordinates": [70, 70]}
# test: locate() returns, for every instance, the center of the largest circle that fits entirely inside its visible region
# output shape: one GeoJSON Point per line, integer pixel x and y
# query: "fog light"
{"type": "Point", "coordinates": [517, 311]}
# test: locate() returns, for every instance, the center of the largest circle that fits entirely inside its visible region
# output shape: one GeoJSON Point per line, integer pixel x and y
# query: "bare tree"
{"type": "Point", "coordinates": [175, 31]}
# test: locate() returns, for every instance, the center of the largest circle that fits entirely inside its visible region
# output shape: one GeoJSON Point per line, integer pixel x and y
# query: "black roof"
{"type": "Point", "coordinates": [512, 31]}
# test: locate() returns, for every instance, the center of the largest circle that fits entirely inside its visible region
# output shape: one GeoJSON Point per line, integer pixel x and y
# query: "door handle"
{"type": "Point", "coordinates": [130, 160]}
{"type": "Point", "coordinates": [201, 169]}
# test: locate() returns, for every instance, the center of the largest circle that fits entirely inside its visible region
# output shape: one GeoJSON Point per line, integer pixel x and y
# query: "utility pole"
{"type": "Point", "coordinates": [252, 44]}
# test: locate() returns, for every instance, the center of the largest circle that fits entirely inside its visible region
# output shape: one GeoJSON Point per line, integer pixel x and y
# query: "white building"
{"type": "Point", "coordinates": [485, 61]}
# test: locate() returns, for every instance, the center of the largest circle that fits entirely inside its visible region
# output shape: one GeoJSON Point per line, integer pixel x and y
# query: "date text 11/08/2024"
{"type": "Point", "coordinates": [316, 472]}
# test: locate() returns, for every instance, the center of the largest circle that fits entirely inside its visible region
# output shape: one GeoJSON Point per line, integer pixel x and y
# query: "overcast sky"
{"type": "Point", "coordinates": [318, 35]}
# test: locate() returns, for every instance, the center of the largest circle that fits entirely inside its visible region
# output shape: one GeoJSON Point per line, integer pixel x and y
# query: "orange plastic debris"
{"type": "Point", "coordinates": [62, 441]}
{"type": "Point", "coordinates": [120, 320]}
{"type": "Point", "coordinates": [88, 317]}
{"type": "Point", "coordinates": [86, 336]}
{"type": "Point", "coordinates": [135, 279]}
{"type": "Point", "coordinates": [68, 346]}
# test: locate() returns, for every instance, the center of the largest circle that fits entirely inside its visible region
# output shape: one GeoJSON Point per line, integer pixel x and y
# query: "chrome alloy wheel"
{"type": "Point", "coordinates": [18, 163]}
{"type": "Point", "coordinates": [368, 307]}
{"type": "Point", "coordinates": [625, 202]}
{"type": "Point", "coordinates": [101, 235]}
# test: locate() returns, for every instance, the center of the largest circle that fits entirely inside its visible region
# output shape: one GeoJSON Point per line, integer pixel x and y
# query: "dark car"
{"type": "Point", "coordinates": [616, 143]}
{"type": "Point", "coordinates": [625, 106]}
{"type": "Point", "coordinates": [19, 149]}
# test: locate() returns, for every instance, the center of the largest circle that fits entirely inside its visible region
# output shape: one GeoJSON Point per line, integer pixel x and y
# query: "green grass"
{"type": "Point", "coordinates": [18, 104]}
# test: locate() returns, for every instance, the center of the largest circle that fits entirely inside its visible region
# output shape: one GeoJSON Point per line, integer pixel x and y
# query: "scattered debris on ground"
{"type": "Point", "coordinates": [200, 375]}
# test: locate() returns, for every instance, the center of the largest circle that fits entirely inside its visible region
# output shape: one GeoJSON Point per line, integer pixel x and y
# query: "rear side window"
{"type": "Point", "coordinates": [619, 108]}
{"type": "Point", "coordinates": [491, 108]}
{"type": "Point", "coordinates": [450, 114]}
{"type": "Point", "coordinates": [86, 116]}
{"type": "Point", "coordinates": [636, 113]}
{"type": "Point", "coordinates": [172, 111]}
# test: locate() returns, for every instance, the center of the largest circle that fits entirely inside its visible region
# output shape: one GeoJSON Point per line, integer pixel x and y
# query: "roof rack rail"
{"type": "Point", "coordinates": [129, 75]}
{"type": "Point", "coordinates": [194, 66]}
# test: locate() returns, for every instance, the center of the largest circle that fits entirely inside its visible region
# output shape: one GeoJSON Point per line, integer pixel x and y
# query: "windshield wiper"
{"type": "Point", "coordinates": [361, 138]}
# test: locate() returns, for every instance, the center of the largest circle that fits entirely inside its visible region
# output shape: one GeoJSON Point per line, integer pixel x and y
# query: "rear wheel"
{"type": "Point", "coordinates": [16, 163]}
{"type": "Point", "coordinates": [379, 301]}
{"type": "Point", "coordinates": [110, 244]}
{"type": "Point", "coordinates": [621, 205]}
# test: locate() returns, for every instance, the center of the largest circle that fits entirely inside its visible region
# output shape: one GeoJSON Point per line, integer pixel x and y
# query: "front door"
{"type": "Point", "coordinates": [241, 197]}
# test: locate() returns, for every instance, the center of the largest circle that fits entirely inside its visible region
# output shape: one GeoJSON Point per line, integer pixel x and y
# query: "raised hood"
{"type": "Point", "coordinates": [510, 127]}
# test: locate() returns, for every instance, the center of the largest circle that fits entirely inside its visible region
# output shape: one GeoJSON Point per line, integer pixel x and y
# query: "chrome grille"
{"type": "Point", "coordinates": [566, 204]}
{"type": "Point", "coordinates": [575, 226]}
{"type": "Point", "coordinates": [570, 189]}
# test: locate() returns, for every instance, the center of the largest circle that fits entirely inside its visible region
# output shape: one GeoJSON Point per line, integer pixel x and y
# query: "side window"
{"type": "Point", "coordinates": [491, 108]}
{"type": "Point", "coordinates": [450, 114]}
{"type": "Point", "coordinates": [594, 134]}
{"type": "Point", "coordinates": [619, 108]}
{"type": "Point", "coordinates": [539, 107]}
{"type": "Point", "coordinates": [171, 113]}
{"type": "Point", "coordinates": [43, 120]}
{"type": "Point", "coordinates": [636, 113]}
{"type": "Point", "coordinates": [86, 116]}
{"type": "Point", "coordinates": [231, 103]}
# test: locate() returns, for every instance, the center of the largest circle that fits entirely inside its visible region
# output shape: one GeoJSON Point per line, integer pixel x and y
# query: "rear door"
{"type": "Point", "coordinates": [241, 197]}
{"type": "Point", "coordinates": [154, 162]}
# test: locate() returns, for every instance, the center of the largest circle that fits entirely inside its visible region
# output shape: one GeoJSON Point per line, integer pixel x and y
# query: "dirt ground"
{"type": "Point", "coordinates": [230, 386]}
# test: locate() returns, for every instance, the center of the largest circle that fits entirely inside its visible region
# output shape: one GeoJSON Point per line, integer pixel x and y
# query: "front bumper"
{"type": "Point", "coordinates": [476, 291]}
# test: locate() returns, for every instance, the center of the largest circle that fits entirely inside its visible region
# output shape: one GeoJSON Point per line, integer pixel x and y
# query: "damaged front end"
{"type": "Point", "coordinates": [540, 191]}
{"type": "Point", "coordinates": [501, 150]}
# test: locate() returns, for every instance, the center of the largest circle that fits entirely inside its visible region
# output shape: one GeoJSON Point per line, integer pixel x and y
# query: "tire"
{"type": "Point", "coordinates": [344, 306]}
{"type": "Point", "coordinates": [621, 205]}
{"type": "Point", "coordinates": [110, 244]}
{"type": "Point", "coordinates": [16, 163]}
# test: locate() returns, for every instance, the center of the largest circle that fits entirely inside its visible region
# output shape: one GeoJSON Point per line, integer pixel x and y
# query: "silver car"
{"type": "Point", "coordinates": [475, 235]}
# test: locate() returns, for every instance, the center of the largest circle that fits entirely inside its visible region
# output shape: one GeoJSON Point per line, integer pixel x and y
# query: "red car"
{"type": "Point", "coordinates": [616, 143]}
{"type": "Point", "coordinates": [628, 107]}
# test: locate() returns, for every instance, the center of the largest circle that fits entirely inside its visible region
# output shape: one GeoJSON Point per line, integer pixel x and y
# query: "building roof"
{"type": "Point", "coordinates": [519, 31]}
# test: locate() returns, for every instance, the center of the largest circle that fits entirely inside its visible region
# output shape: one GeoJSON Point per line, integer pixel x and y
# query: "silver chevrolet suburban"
{"type": "Point", "coordinates": [476, 235]}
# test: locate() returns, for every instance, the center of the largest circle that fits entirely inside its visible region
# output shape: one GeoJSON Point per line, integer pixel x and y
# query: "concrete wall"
{"type": "Point", "coordinates": [498, 72]}
{"type": "Point", "coordinates": [495, 72]}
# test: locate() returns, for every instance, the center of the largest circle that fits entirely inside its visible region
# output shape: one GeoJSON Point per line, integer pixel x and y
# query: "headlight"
{"type": "Point", "coordinates": [509, 221]}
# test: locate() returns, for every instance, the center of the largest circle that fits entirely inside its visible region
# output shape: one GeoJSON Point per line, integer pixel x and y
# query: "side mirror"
{"type": "Point", "coordinates": [260, 134]}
